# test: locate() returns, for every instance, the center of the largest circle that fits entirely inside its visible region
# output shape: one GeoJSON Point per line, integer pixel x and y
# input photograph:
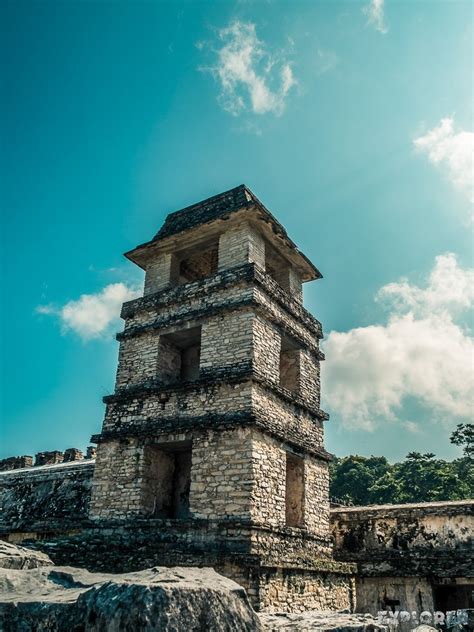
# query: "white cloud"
{"type": "Point", "coordinates": [326, 60]}
{"type": "Point", "coordinates": [453, 150]}
{"type": "Point", "coordinates": [411, 426]}
{"type": "Point", "coordinates": [92, 315]}
{"type": "Point", "coordinates": [375, 15]}
{"type": "Point", "coordinates": [421, 353]}
{"type": "Point", "coordinates": [450, 291]}
{"type": "Point", "coordinates": [250, 77]}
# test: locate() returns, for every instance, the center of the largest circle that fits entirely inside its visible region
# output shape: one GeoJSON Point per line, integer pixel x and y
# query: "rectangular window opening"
{"type": "Point", "coordinates": [277, 267]}
{"type": "Point", "coordinates": [195, 264]}
{"type": "Point", "coordinates": [290, 365]}
{"type": "Point", "coordinates": [179, 355]}
{"type": "Point", "coordinates": [294, 491]}
{"type": "Point", "coordinates": [168, 480]}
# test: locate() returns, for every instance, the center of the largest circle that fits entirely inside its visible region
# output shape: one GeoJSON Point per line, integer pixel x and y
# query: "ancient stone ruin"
{"type": "Point", "coordinates": [215, 419]}
{"type": "Point", "coordinates": [212, 451]}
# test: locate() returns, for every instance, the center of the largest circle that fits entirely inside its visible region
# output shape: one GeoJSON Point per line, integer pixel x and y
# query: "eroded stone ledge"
{"type": "Point", "coordinates": [150, 429]}
{"type": "Point", "coordinates": [245, 273]}
{"type": "Point", "coordinates": [235, 374]}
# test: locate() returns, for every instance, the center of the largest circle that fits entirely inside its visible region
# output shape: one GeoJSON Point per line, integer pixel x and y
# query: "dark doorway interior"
{"type": "Point", "coordinates": [179, 355]}
{"type": "Point", "coordinates": [453, 597]}
{"type": "Point", "coordinates": [181, 484]}
{"type": "Point", "coordinates": [168, 480]}
{"type": "Point", "coordinates": [294, 493]}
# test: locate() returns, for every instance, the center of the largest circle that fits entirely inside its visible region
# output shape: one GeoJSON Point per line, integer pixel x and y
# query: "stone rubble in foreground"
{"type": "Point", "coordinates": [315, 621]}
{"type": "Point", "coordinates": [36, 596]}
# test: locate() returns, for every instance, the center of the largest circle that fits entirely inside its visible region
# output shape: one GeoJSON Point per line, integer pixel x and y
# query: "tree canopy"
{"type": "Point", "coordinates": [360, 480]}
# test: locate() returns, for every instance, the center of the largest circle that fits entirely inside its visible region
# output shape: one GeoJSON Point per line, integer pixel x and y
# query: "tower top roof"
{"type": "Point", "coordinates": [221, 207]}
{"type": "Point", "coordinates": [216, 207]}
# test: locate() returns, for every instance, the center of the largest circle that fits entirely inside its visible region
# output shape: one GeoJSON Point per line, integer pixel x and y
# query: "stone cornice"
{"type": "Point", "coordinates": [438, 563]}
{"type": "Point", "coordinates": [235, 374]}
{"type": "Point", "coordinates": [209, 524]}
{"type": "Point", "coordinates": [151, 428]}
{"type": "Point", "coordinates": [176, 320]}
{"type": "Point", "coordinates": [215, 212]}
{"type": "Point", "coordinates": [248, 272]}
{"type": "Point", "coordinates": [358, 514]}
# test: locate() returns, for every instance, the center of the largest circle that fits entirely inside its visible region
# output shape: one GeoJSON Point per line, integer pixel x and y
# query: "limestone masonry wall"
{"type": "Point", "coordinates": [403, 552]}
{"type": "Point", "coordinates": [299, 591]}
{"type": "Point", "coordinates": [57, 496]}
{"type": "Point", "coordinates": [241, 244]}
{"type": "Point", "coordinates": [221, 481]}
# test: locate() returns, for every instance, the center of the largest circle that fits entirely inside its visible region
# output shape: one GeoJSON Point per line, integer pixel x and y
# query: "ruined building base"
{"type": "Point", "coordinates": [413, 557]}
{"type": "Point", "coordinates": [417, 555]}
{"type": "Point", "coordinates": [274, 582]}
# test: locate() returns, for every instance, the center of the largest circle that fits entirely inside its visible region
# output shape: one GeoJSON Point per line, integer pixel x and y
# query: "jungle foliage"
{"type": "Point", "coordinates": [360, 480]}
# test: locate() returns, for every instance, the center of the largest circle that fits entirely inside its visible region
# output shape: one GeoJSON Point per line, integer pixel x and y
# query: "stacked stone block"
{"type": "Point", "coordinates": [73, 454]}
{"type": "Point", "coordinates": [15, 463]}
{"type": "Point", "coordinates": [49, 458]}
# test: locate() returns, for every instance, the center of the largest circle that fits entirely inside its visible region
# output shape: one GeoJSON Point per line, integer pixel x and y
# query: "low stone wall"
{"type": "Point", "coordinates": [44, 500]}
{"type": "Point", "coordinates": [425, 538]}
{"type": "Point", "coordinates": [409, 557]}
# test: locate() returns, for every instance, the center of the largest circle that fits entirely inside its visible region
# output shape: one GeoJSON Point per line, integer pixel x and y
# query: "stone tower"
{"type": "Point", "coordinates": [212, 444]}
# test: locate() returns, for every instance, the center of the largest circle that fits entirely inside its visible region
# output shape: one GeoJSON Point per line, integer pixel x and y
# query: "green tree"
{"type": "Point", "coordinates": [419, 478]}
{"type": "Point", "coordinates": [353, 476]}
{"type": "Point", "coordinates": [385, 490]}
{"type": "Point", "coordinates": [464, 436]}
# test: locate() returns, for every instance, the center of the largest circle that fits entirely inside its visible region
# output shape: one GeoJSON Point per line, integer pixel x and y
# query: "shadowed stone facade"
{"type": "Point", "coordinates": [42, 501]}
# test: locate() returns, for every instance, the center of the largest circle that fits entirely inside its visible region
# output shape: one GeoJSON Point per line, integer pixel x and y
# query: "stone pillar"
{"type": "Point", "coordinates": [49, 458]}
{"type": "Point", "coordinates": [161, 272]}
{"type": "Point", "coordinates": [266, 349]}
{"type": "Point", "coordinates": [91, 452]}
{"type": "Point", "coordinates": [310, 387]}
{"type": "Point", "coordinates": [295, 287]}
{"type": "Point", "coordinates": [73, 454]}
{"type": "Point", "coordinates": [241, 244]}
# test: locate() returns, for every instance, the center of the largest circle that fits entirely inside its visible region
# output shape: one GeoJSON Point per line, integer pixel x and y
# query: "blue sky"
{"type": "Point", "coordinates": [351, 121]}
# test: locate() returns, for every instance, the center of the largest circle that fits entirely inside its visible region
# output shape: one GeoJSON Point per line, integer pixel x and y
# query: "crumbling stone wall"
{"type": "Point", "coordinates": [16, 462]}
{"type": "Point", "coordinates": [408, 556]}
{"type": "Point", "coordinates": [412, 594]}
{"type": "Point", "coordinates": [42, 500]}
{"type": "Point", "coordinates": [417, 528]}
